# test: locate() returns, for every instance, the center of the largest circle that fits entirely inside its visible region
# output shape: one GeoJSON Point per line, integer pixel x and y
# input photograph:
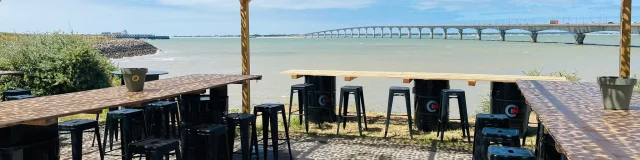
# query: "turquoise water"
{"type": "Point", "coordinates": [270, 56]}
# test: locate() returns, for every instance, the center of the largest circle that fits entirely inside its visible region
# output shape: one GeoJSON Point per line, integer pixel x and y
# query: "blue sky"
{"type": "Point", "coordinates": [209, 17]}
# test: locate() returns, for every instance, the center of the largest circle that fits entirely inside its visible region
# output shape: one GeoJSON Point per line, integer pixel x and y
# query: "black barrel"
{"type": "Point", "coordinates": [428, 95]}
{"type": "Point", "coordinates": [325, 100]}
{"type": "Point", "coordinates": [29, 142]}
{"type": "Point", "coordinates": [507, 99]}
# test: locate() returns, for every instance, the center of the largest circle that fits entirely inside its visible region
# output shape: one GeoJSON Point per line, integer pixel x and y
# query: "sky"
{"type": "Point", "coordinates": [222, 17]}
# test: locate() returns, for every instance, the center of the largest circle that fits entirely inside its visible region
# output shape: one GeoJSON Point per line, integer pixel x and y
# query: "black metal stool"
{"type": "Point", "coordinates": [204, 142]}
{"type": "Point", "coordinates": [306, 97]}
{"type": "Point", "coordinates": [19, 97]}
{"type": "Point", "coordinates": [15, 92]}
{"type": "Point", "coordinates": [162, 119]}
{"type": "Point", "coordinates": [270, 118]}
{"type": "Point", "coordinates": [487, 120]}
{"type": "Point", "coordinates": [344, 100]}
{"type": "Point", "coordinates": [244, 121]}
{"type": "Point", "coordinates": [125, 118]}
{"type": "Point", "coordinates": [444, 113]}
{"type": "Point", "coordinates": [510, 153]}
{"type": "Point", "coordinates": [502, 136]}
{"type": "Point", "coordinates": [399, 91]}
{"type": "Point", "coordinates": [77, 128]}
{"type": "Point", "coordinates": [154, 148]}
{"type": "Point", "coordinates": [199, 109]}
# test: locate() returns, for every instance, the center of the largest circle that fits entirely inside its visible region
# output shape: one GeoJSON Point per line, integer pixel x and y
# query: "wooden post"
{"type": "Point", "coordinates": [244, 22]}
{"type": "Point", "coordinates": [625, 38]}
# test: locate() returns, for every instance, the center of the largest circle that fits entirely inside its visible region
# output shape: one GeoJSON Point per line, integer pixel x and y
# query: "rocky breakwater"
{"type": "Point", "coordinates": [120, 48]}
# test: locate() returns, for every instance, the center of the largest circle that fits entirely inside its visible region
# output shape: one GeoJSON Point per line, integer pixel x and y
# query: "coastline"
{"type": "Point", "coordinates": [120, 48]}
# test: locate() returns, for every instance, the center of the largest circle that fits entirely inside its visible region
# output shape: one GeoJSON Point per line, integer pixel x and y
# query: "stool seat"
{"type": "Point", "coordinates": [350, 88]}
{"type": "Point", "coordinates": [268, 107]}
{"type": "Point", "coordinates": [510, 153]}
{"type": "Point", "coordinates": [155, 148]}
{"type": "Point", "coordinates": [452, 91]}
{"type": "Point", "coordinates": [14, 92]}
{"type": "Point", "coordinates": [503, 136]}
{"type": "Point", "coordinates": [211, 129]}
{"type": "Point", "coordinates": [124, 112]}
{"type": "Point", "coordinates": [483, 121]}
{"type": "Point", "coordinates": [161, 104]}
{"type": "Point", "coordinates": [19, 97]}
{"type": "Point", "coordinates": [500, 132]}
{"type": "Point", "coordinates": [396, 88]}
{"type": "Point", "coordinates": [301, 86]}
{"type": "Point", "coordinates": [78, 124]}
{"type": "Point", "coordinates": [239, 116]}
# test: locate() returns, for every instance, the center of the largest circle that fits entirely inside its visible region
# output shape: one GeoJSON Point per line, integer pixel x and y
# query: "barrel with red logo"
{"type": "Point", "coordinates": [507, 99]}
{"type": "Point", "coordinates": [427, 96]}
{"type": "Point", "coordinates": [325, 100]}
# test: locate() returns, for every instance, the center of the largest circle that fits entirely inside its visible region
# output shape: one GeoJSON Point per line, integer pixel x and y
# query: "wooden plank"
{"type": "Point", "coordinates": [407, 80]}
{"type": "Point", "coordinates": [471, 83]}
{"type": "Point", "coordinates": [349, 78]}
{"type": "Point", "coordinates": [44, 122]}
{"type": "Point", "coordinates": [423, 76]}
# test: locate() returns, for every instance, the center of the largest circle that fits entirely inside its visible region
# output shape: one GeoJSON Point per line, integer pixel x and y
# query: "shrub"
{"type": "Point", "coordinates": [485, 103]}
{"type": "Point", "coordinates": [54, 63]}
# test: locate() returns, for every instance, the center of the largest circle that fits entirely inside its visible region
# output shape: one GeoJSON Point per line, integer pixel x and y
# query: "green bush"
{"type": "Point", "coordinates": [54, 64]}
{"type": "Point", "coordinates": [485, 103]}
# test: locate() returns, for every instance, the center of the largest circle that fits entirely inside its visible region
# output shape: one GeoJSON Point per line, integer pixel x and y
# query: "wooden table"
{"type": "Point", "coordinates": [574, 115]}
{"type": "Point", "coordinates": [505, 95]}
{"type": "Point", "coordinates": [21, 111]}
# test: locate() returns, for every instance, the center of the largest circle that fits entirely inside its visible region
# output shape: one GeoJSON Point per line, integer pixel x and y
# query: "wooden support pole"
{"type": "Point", "coordinates": [625, 38]}
{"type": "Point", "coordinates": [407, 80]}
{"type": "Point", "coordinates": [244, 28]}
{"type": "Point", "coordinates": [349, 78]}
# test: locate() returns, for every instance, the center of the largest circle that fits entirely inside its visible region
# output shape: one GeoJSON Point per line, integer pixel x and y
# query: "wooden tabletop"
{"type": "Point", "coordinates": [21, 111]}
{"type": "Point", "coordinates": [408, 76]}
{"type": "Point", "coordinates": [11, 73]}
{"type": "Point", "coordinates": [574, 115]}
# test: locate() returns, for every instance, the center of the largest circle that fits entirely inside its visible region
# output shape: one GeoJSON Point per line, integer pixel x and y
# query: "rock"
{"type": "Point", "coordinates": [120, 48]}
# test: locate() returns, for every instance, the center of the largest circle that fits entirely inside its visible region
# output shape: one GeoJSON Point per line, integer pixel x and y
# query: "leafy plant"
{"type": "Point", "coordinates": [53, 63]}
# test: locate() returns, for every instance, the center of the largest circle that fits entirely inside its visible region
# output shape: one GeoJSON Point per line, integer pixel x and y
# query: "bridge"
{"type": "Point", "coordinates": [578, 30]}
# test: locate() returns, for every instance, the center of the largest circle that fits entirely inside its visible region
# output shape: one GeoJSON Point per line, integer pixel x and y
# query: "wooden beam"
{"type": "Point", "coordinates": [349, 78]}
{"type": "Point", "coordinates": [471, 83]}
{"type": "Point", "coordinates": [625, 38]}
{"type": "Point", "coordinates": [244, 29]}
{"type": "Point", "coordinates": [44, 122]}
{"type": "Point", "coordinates": [407, 80]}
{"type": "Point", "coordinates": [293, 76]}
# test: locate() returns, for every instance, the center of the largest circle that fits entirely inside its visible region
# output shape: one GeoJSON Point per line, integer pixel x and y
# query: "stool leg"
{"type": "Point", "coordinates": [339, 117]}
{"type": "Point", "coordinates": [358, 112]}
{"type": "Point", "coordinates": [443, 116]}
{"type": "Point", "coordinates": [462, 102]}
{"type": "Point", "coordinates": [231, 135]}
{"type": "Point", "coordinates": [286, 133]}
{"type": "Point", "coordinates": [212, 143]}
{"type": "Point", "coordinates": [106, 131]}
{"type": "Point", "coordinates": [317, 113]}
{"type": "Point", "coordinates": [305, 100]}
{"type": "Point", "coordinates": [244, 139]}
{"type": "Point", "coordinates": [178, 154]}
{"type": "Point", "coordinates": [126, 137]}
{"type": "Point", "coordinates": [254, 137]}
{"type": "Point", "coordinates": [265, 132]}
{"type": "Point", "coordinates": [273, 118]}
{"type": "Point", "coordinates": [76, 145]}
{"type": "Point", "coordinates": [290, 105]}
{"type": "Point", "coordinates": [390, 103]}
{"type": "Point", "coordinates": [408, 103]}
{"type": "Point", "coordinates": [93, 142]}
{"type": "Point", "coordinates": [302, 104]}
{"type": "Point", "coordinates": [96, 130]}
{"type": "Point", "coordinates": [364, 110]}
{"type": "Point", "coordinates": [345, 110]}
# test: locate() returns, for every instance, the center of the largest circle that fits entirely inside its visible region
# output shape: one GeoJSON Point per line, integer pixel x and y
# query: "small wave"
{"type": "Point", "coordinates": [164, 59]}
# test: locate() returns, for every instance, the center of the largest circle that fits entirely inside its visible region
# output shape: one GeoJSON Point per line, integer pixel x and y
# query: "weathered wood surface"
{"type": "Point", "coordinates": [40, 108]}
{"type": "Point", "coordinates": [408, 76]}
{"type": "Point", "coordinates": [574, 115]}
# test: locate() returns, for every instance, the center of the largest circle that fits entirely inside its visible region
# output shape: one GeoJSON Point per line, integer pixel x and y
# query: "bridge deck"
{"type": "Point", "coordinates": [408, 76]}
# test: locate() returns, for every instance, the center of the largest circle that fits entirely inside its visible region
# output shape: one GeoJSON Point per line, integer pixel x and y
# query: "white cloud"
{"type": "Point", "coordinates": [274, 4]}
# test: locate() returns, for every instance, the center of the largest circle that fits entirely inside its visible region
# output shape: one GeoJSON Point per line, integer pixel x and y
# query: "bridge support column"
{"type": "Point", "coordinates": [399, 32]}
{"type": "Point", "coordinates": [390, 32]}
{"type": "Point", "coordinates": [409, 33]}
{"type": "Point", "coordinates": [381, 32]}
{"type": "Point", "coordinates": [366, 32]}
{"type": "Point", "coordinates": [374, 32]}
{"type": "Point", "coordinates": [534, 36]}
{"type": "Point", "coordinates": [444, 33]}
{"type": "Point", "coordinates": [419, 33]}
{"type": "Point", "coordinates": [358, 32]}
{"type": "Point", "coordinates": [502, 34]}
{"type": "Point", "coordinates": [344, 33]}
{"type": "Point", "coordinates": [351, 33]}
{"type": "Point", "coordinates": [431, 32]}
{"type": "Point", "coordinates": [579, 38]}
{"type": "Point", "coordinates": [460, 34]}
{"type": "Point", "coordinates": [331, 34]}
{"type": "Point", "coordinates": [479, 32]}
